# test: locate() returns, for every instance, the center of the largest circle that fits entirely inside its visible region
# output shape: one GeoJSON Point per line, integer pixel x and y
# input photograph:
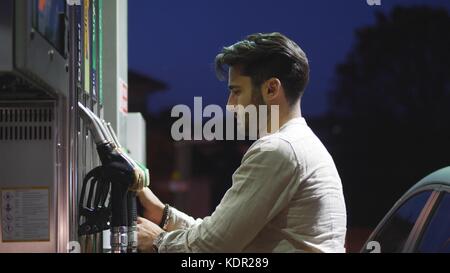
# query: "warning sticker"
{"type": "Point", "coordinates": [123, 86]}
{"type": "Point", "coordinates": [25, 215]}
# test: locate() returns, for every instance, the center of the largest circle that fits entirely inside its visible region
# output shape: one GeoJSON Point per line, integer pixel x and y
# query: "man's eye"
{"type": "Point", "coordinates": [236, 92]}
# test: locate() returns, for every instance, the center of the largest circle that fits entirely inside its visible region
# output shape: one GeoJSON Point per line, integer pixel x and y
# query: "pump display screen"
{"type": "Point", "coordinates": [48, 20]}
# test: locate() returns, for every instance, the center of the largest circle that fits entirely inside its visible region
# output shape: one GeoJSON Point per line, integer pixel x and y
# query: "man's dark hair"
{"type": "Point", "coordinates": [263, 56]}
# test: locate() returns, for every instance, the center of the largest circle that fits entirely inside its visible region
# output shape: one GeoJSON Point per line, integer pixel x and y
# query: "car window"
{"type": "Point", "coordinates": [395, 231]}
{"type": "Point", "coordinates": [436, 238]}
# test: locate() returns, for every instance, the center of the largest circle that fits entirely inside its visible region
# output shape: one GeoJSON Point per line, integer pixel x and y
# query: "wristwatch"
{"type": "Point", "coordinates": [158, 240]}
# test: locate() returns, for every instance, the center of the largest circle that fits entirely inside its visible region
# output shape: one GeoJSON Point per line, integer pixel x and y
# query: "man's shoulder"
{"type": "Point", "coordinates": [290, 142]}
{"type": "Point", "coordinates": [274, 145]}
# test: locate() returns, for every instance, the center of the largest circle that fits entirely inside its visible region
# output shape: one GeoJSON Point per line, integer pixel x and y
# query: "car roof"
{"type": "Point", "coordinates": [440, 177]}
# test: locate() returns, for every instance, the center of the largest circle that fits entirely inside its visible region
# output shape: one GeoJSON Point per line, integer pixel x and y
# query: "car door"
{"type": "Point", "coordinates": [394, 231]}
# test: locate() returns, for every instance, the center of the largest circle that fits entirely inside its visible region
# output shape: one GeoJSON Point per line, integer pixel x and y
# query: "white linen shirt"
{"type": "Point", "coordinates": [286, 197]}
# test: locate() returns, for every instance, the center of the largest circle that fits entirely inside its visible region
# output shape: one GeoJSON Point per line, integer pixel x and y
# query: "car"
{"type": "Point", "coordinates": [419, 222]}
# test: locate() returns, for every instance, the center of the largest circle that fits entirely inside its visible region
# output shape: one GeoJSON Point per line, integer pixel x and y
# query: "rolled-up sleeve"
{"type": "Point", "coordinates": [262, 187]}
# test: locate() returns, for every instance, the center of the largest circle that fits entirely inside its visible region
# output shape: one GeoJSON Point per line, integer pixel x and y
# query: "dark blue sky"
{"type": "Point", "coordinates": [176, 41]}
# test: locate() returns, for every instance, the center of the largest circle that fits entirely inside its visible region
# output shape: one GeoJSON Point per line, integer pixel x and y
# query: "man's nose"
{"type": "Point", "coordinates": [231, 100]}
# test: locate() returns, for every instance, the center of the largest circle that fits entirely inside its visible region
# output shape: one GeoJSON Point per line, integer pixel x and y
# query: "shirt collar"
{"type": "Point", "coordinates": [299, 120]}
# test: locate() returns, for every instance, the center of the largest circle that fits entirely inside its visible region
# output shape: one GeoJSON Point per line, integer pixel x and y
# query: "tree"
{"type": "Point", "coordinates": [392, 107]}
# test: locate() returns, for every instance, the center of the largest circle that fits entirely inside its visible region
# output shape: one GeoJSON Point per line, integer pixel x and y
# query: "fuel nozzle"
{"type": "Point", "coordinates": [95, 125]}
{"type": "Point", "coordinates": [124, 175]}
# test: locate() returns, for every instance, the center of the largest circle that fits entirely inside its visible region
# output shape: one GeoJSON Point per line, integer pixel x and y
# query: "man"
{"type": "Point", "coordinates": [286, 195]}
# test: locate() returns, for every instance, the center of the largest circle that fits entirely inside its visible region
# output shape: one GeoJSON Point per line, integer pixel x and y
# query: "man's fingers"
{"type": "Point", "coordinates": [143, 225]}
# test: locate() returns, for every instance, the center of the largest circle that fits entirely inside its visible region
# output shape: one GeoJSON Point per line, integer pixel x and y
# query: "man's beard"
{"type": "Point", "coordinates": [244, 126]}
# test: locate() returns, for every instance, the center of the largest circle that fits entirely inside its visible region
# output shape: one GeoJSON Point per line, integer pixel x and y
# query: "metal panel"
{"type": "Point", "coordinates": [6, 35]}
{"type": "Point", "coordinates": [136, 137]}
{"type": "Point", "coordinates": [115, 66]}
{"type": "Point", "coordinates": [34, 56]}
{"type": "Point", "coordinates": [28, 143]}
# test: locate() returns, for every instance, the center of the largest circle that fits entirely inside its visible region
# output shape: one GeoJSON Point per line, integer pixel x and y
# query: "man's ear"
{"type": "Point", "coordinates": [273, 88]}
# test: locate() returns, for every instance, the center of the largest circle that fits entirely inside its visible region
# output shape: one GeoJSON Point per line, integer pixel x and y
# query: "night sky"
{"type": "Point", "coordinates": [176, 41]}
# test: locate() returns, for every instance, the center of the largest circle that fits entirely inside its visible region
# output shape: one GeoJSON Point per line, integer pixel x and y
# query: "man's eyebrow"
{"type": "Point", "coordinates": [231, 87]}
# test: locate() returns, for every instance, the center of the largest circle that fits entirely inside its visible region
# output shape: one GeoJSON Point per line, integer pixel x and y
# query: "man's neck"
{"type": "Point", "coordinates": [285, 116]}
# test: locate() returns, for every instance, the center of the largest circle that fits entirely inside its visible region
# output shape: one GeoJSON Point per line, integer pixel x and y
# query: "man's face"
{"type": "Point", "coordinates": [242, 94]}
{"type": "Point", "coordinates": [240, 88]}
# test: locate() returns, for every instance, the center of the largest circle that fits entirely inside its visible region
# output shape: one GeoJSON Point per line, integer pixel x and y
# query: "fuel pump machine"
{"type": "Point", "coordinates": [66, 182]}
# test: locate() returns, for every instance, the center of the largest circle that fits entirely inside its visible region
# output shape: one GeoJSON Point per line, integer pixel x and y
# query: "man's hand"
{"type": "Point", "coordinates": [147, 232]}
{"type": "Point", "coordinates": [153, 207]}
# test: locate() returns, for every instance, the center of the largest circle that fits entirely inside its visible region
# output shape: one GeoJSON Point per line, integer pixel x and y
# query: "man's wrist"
{"type": "Point", "coordinates": [155, 213]}
{"type": "Point", "coordinates": [157, 241]}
